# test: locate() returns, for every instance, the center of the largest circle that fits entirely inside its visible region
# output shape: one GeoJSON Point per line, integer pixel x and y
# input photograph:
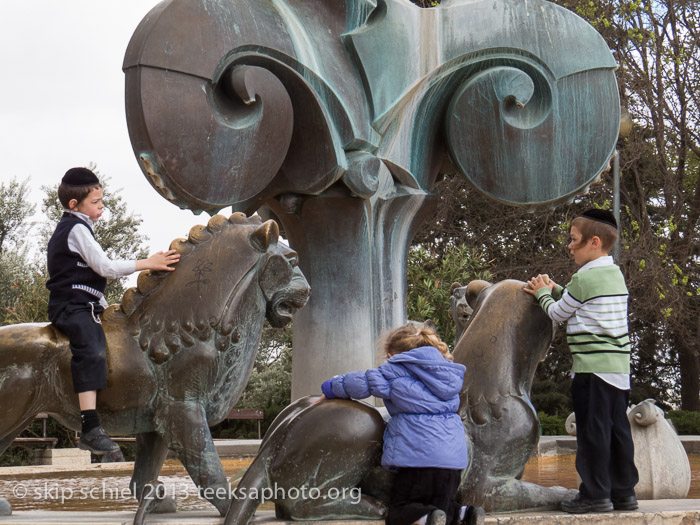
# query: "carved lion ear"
{"type": "Point", "coordinates": [264, 235]}
{"type": "Point", "coordinates": [474, 288]}
{"type": "Point", "coordinates": [429, 323]}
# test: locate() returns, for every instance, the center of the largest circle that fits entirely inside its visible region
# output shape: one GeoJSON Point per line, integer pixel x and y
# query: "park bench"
{"type": "Point", "coordinates": [235, 414]}
{"type": "Point", "coordinates": [50, 442]}
{"type": "Point", "coordinates": [123, 439]}
{"type": "Point", "coordinates": [248, 413]}
{"type": "Point", "coordinates": [42, 441]}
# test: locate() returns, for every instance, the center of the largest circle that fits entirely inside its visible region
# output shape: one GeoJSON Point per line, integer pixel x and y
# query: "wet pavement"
{"type": "Point", "coordinates": [98, 494]}
{"type": "Point", "coordinates": [653, 512]}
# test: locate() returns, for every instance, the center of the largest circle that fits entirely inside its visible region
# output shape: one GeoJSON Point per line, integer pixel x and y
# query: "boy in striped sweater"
{"type": "Point", "coordinates": [594, 307]}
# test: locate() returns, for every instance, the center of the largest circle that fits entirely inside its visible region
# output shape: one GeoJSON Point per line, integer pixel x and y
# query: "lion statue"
{"type": "Point", "coordinates": [180, 349]}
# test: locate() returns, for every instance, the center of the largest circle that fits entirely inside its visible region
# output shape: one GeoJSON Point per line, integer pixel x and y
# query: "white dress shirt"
{"type": "Point", "coordinates": [81, 241]}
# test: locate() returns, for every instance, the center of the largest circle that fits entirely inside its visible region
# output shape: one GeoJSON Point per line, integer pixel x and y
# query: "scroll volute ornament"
{"type": "Point", "coordinates": [212, 126]}
{"type": "Point", "coordinates": [336, 117]}
{"type": "Point", "coordinates": [234, 102]}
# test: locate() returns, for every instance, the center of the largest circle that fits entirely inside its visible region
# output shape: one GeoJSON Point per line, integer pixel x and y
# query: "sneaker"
{"type": "Point", "coordinates": [628, 503]}
{"type": "Point", "coordinates": [97, 441]}
{"type": "Point", "coordinates": [474, 516]}
{"type": "Point", "coordinates": [582, 505]}
{"type": "Point", "coordinates": [437, 517]}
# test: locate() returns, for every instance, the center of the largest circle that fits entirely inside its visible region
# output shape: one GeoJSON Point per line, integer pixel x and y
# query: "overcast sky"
{"type": "Point", "coordinates": [62, 102]}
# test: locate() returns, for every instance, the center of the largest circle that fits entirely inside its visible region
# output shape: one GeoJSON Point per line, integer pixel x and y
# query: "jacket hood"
{"type": "Point", "coordinates": [441, 377]}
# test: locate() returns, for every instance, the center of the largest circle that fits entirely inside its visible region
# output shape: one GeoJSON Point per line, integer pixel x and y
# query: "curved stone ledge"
{"type": "Point", "coordinates": [658, 512]}
{"type": "Point", "coordinates": [558, 445]}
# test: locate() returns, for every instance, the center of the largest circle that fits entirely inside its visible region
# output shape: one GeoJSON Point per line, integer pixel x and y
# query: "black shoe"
{"type": "Point", "coordinates": [437, 517]}
{"type": "Point", "coordinates": [474, 516]}
{"type": "Point", "coordinates": [582, 505]}
{"type": "Point", "coordinates": [628, 503]}
{"type": "Point", "coordinates": [97, 441]}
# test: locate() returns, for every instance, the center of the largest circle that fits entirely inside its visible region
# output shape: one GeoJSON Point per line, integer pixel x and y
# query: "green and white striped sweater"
{"type": "Point", "coordinates": [594, 306]}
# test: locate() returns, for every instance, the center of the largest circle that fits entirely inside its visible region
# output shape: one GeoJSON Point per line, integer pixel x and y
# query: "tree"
{"type": "Point", "coordinates": [24, 297]}
{"type": "Point", "coordinates": [430, 276]}
{"type": "Point", "coordinates": [15, 210]}
{"type": "Point", "coordinates": [17, 301]}
{"type": "Point", "coordinates": [657, 44]}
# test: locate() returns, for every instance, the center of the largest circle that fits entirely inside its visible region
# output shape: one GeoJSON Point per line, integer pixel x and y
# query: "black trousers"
{"type": "Point", "coordinates": [88, 363]}
{"type": "Point", "coordinates": [419, 491]}
{"type": "Point", "coordinates": [605, 454]}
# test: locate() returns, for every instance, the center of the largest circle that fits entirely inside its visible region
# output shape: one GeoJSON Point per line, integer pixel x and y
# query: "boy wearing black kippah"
{"type": "Point", "coordinates": [78, 271]}
{"type": "Point", "coordinates": [594, 307]}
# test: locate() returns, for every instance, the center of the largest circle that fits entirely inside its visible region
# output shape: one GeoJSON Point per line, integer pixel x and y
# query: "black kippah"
{"type": "Point", "coordinates": [80, 177]}
{"type": "Point", "coordinates": [604, 216]}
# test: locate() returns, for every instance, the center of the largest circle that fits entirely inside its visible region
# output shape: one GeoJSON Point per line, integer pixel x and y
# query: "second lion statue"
{"type": "Point", "coordinates": [332, 449]}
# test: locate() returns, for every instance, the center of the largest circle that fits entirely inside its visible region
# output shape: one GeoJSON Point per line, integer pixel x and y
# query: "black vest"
{"type": "Point", "coordinates": [70, 278]}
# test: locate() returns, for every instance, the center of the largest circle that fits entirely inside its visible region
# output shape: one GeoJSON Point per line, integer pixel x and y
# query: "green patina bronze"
{"type": "Point", "coordinates": [335, 118]}
{"type": "Point", "coordinates": [180, 349]}
{"type": "Point", "coordinates": [335, 446]}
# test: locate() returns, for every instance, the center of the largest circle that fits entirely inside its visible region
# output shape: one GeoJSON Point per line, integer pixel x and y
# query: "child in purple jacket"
{"type": "Point", "coordinates": [424, 441]}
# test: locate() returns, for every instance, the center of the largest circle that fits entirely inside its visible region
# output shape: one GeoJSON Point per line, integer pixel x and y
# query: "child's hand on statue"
{"type": "Point", "coordinates": [159, 261]}
{"type": "Point", "coordinates": [538, 282]}
{"type": "Point", "coordinates": [322, 398]}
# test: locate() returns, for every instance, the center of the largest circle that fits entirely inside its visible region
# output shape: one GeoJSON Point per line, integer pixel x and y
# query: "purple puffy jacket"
{"type": "Point", "coordinates": [420, 389]}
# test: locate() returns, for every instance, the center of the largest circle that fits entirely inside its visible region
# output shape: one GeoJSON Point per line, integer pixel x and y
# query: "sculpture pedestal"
{"type": "Point", "coordinates": [62, 456]}
{"type": "Point", "coordinates": [355, 250]}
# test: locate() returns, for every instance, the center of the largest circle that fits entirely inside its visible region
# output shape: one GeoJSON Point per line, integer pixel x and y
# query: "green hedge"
{"type": "Point", "coordinates": [551, 425]}
{"type": "Point", "coordinates": [686, 422]}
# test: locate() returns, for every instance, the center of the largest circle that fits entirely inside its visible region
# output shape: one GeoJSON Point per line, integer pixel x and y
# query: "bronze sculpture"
{"type": "Point", "coordinates": [339, 126]}
{"type": "Point", "coordinates": [319, 458]}
{"type": "Point", "coordinates": [336, 445]}
{"type": "Point", "coordinates": [460, 311]}
{"type": "Point", "coordinates": [180, 349]}
{"type": "Point", "coordinates": [337, 117]}
{"type": "Point", "coordinates": [501, 353]}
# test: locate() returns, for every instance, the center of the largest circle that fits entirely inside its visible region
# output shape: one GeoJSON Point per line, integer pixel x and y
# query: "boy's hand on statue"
{"type": "Point", "coordinates": [536, 283]}
{"type": "Point", "coordinates": [548, 282]}
{"type": "Point", "coordinates": [528, 289]}
{"type": "Point", "coordinates": [163, 260]}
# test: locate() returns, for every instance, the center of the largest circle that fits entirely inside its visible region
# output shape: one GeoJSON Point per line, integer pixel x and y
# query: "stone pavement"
{"type": "Point", "coordinates": [652, 512]}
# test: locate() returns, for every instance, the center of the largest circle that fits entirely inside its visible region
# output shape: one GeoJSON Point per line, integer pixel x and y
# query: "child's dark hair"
{"type": "Point", "coordinates": [414, 335]}
{"type": "Point", "coordinates": [590, 228]}
{"type": "Point", "coordinates": [67, 193]}
{"type": "Point", "coordinates": [77, 184]}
